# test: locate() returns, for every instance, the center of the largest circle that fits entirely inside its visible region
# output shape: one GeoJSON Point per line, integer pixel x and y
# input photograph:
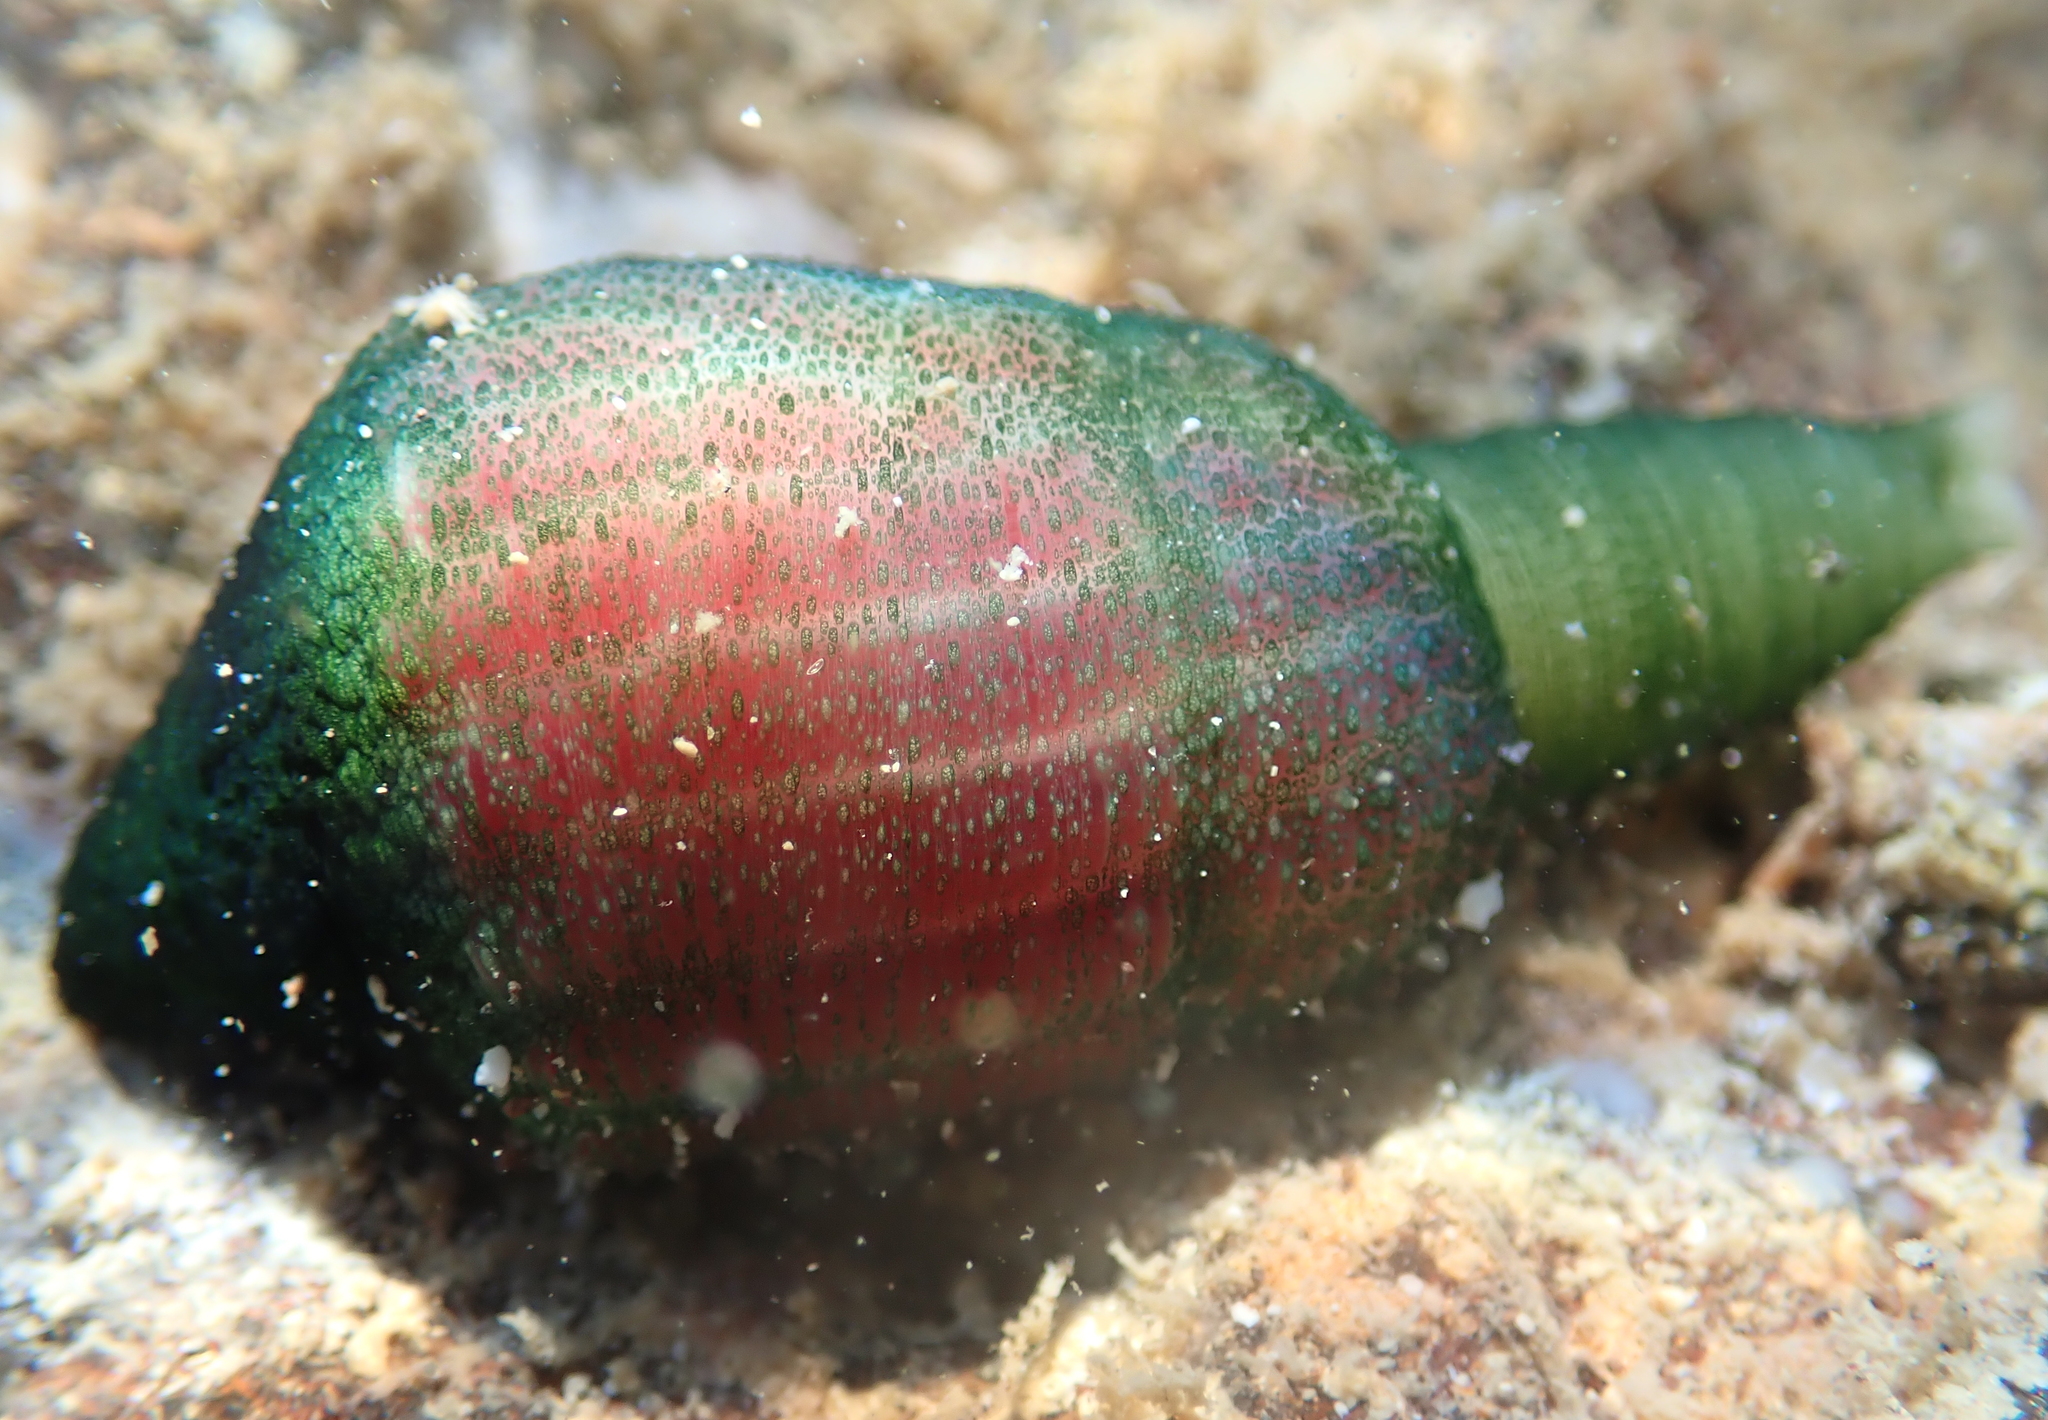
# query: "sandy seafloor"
{"type": "Point", "coordinates": [1737, 1112]}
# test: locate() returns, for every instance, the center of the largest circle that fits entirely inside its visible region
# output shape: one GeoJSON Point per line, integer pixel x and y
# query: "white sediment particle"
{"type": "Point", "coordinates": [1518, 752]}
{"type": "Point", "coordinates": [1190, 424]}
{"type": "Point", "coordinates": [223, 670]}
{"type": "Point", "coordinates": [517, 558]}
{"type": "Point", "coordinates": [292, 988]}
{"type": "Point", "coordinates": [707, 622]}
{"type": "Point", "coordinates": [259, 53]}
{"type": "Point", "coordinates": [725, 1079]}
{"type": "Point", "coordinates": [1244, 1314]}
{"type": "Point", "coordinates": [1575, 630]}
{"type": "Point", "coordinates": [1102, 315]}
{"type": "Point", "coordinates": [509, 432]}
{"type": "Point", "coordinates": [844, 521]}
{"type": "Point", "coordinates": [687, 748]}
{"type": "Point", "coordinates": [447, 306]}
{"type": "Point", "coordinates": [147, 941]}
{"type": "Point", "coordinates": [619, 812]}
{"type": "Point", "coordinates": [1916, 1253]}
{"type": "Point", "coordinates": [364, 431]}
{"type": "Point", "coordinates": [152, 894]}
{"type": "Point", "coordinates": [1911, 1071]}
{"type": "Point", "coordinates": [750, 117]}
{"type": "Point", "coordinates": [1573, 516]}
{"type": "Point", "coordinates": [494, 1071]}
{"type": "Point", "coordinates": [1479, 903]}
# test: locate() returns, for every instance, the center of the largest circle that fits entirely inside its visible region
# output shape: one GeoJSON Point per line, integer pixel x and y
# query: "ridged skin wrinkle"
{"type": "Point", "coordinates": [939, 693]}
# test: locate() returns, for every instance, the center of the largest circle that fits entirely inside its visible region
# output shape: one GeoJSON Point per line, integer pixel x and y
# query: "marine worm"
{"type": "Point", "coordinates": [665, 694]}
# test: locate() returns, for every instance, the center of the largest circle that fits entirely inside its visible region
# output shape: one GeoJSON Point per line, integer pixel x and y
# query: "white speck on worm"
{"type": "Point", "coordinates": [1575, 630]}
{"type": "Point", "coordinates": [1479, 902]}
{"type": "Point", "coordinates": [444, 307]}
{"type": "Point", "coordinates": [494, 1071]}
{"type": "Point", "coordinates": [708, 622]}
{"type": "Point", "coordinates": [845, 521]}
{"type": "Point", "coordinates": [1573, 517]}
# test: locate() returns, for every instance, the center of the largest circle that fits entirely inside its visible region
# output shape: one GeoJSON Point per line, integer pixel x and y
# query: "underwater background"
{"type": "Point", "coordinates": [1740, 1108]}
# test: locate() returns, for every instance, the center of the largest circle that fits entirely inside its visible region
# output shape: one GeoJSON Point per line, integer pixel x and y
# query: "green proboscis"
{"type": "Point", "coordinates": [1659, 581]}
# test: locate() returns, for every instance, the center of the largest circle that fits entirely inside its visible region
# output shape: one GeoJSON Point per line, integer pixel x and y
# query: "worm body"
{"type": "Point", "coordinates": [794, 700]}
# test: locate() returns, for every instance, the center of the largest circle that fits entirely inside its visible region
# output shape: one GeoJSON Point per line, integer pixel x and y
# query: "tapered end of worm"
{"type": "Point", "coordinates": [1656, 581]}
{"type": "Point", "coordinates": [1981, 439]}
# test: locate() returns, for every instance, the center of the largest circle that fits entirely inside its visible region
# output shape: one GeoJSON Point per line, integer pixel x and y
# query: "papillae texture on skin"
{"type": "Point", "coordinates": [933, 693]}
